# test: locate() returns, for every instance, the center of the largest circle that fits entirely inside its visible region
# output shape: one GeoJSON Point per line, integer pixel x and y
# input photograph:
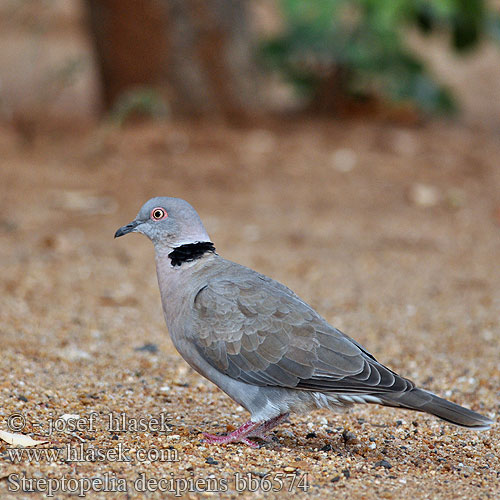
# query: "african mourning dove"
{"type": "Point", "coordinates": [258, 341]}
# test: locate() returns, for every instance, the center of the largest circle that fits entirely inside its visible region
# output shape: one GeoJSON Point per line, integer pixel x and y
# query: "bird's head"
{"type": "Point", "coordinates": [167, 222]}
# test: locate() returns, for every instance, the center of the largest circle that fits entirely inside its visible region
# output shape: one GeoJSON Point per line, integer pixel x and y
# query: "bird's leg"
{"type": "Point", "coordinates": [246, 431]}
{"type": "Point", "coordinates": [239, 434]}
{"type": "Point", "coordinates": [265, 427]}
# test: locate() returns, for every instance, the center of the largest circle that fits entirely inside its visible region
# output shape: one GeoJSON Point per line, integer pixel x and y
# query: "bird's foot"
{"type": "Point", "coordinates": [214, 439]}
{"type": "Point", "coordinates": [239, 435]}
{"type": "Point", "coordinates": [246, 431]}
{"type": "Point", "coordinates": [265, 427]}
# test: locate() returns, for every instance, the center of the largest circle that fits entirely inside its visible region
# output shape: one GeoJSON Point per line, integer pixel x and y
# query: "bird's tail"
{"type": "Point", "coordinates": [420, 400]}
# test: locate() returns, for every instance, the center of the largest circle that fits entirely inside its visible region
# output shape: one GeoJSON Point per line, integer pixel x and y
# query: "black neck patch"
{"type": "Point", "coordinates": [190, 252]}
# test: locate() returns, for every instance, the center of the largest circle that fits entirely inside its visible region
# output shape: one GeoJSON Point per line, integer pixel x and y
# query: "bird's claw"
{"type": "Point", "coordinates": [250, 443]}
{"type": "Point", "coordinates": [248, 430]}
{"type": "Point", "coordinates": [224, 439]}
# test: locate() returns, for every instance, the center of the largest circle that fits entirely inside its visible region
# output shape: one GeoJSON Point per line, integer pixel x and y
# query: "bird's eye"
{"type": "Point", "coordinates": [158, 213]}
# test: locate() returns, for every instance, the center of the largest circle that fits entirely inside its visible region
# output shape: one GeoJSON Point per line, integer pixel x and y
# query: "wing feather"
{"type": "Point", "coordinates": [256, 330]}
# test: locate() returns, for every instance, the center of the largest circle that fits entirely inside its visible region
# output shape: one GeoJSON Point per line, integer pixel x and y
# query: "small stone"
{"type": "Point", "coordinates": [289, 469]}
{"type": "Point", "coordinates": [327, 447]}
{"type": "Point", "coordinates": [467, 469]}
{"type": "Point", "coordinates": [383, 463]}
{"type": "Point", "coordinates": [348, 436]}
{"type": "Point", "coordinates": [72, 353]}
{"type": "Point", "coordinates": [424, 195]}
{"type": "Point", "coordinates": [335, 479]}
{"type": "Point", "coordinates": [344, 160]}
{"type": "Point", "coordinates": [211, 461]}
{"type": "Point", "coordinates": [152, 348]}
{"type": "Point", "coordinates": [311, 435]}
{"type": "Point", "coordinates": [260, 473]}
{"type": "Point", "coordinates": [347, 473]}
{"type": "Point", "coordinates": [287, 433]}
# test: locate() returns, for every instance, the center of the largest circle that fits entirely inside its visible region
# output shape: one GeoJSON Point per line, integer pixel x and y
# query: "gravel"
{"type": "Point", "coordinates": [83, 335]}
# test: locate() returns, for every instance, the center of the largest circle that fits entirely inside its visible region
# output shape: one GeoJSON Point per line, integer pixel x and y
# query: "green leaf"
{"type": "Point", "coordinates": [366, 39]}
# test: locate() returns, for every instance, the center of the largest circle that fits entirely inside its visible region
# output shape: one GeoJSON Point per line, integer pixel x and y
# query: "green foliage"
{"type": "Point", "coordinates": [142, 101]}
{"type": "Point", "coordinates": [365, 40]}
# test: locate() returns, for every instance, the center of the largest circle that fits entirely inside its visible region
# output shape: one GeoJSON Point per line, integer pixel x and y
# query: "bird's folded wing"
{"type": "Point", "coordinates": [257, 331]}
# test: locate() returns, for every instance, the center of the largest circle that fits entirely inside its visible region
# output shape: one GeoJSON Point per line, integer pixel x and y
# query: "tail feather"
{"type": "Point", "coordinates": [420, 400]}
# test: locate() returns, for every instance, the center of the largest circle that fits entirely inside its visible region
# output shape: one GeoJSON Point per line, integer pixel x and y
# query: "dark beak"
{"type": "Point", "coordinates": [127, 229]}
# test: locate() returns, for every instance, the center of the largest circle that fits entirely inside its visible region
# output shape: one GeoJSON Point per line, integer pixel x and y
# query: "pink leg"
{"type": "Point", "coordinates": [246, 431]}
{"type": "Point", "coordinates": [239, 434]}
{"type": "Point", "coordinates": [267, 426]}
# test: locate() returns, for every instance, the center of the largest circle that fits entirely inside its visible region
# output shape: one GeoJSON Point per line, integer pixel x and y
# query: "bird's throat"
{"type": "Point", "coordinates": [190, 252]}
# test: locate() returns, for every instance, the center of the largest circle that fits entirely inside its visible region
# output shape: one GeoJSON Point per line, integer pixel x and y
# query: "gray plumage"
{"type": "Point", "coordinates": [258, 341]}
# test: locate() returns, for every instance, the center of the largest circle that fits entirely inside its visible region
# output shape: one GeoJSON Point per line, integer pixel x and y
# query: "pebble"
{"type": "Point", "coordinates": [424, 195]}
{"type": "Point", "coordinates": [287, 433]}
{"type": "Point", "coordinates": [467, 469]}
{"type": "Point", "coordinates": [348, 436]}
{"type": "Point", "coordinates": [344, 160]}
{"type": "Point", "coordinates": [383, 463]}
{"type": "Point", "coordinates": [151, 348]}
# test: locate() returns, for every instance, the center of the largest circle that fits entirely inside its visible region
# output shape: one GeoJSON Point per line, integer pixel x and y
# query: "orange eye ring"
{"type": "Point", "coordinates": [158, 213]}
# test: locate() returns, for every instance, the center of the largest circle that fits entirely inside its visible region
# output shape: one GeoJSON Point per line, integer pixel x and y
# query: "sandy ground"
{"type": "Point", "coordinates": [392, 233]}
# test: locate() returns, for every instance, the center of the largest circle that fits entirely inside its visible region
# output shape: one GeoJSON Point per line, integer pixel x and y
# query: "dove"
{"type": "Point", "coordinates": [259, 342]}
